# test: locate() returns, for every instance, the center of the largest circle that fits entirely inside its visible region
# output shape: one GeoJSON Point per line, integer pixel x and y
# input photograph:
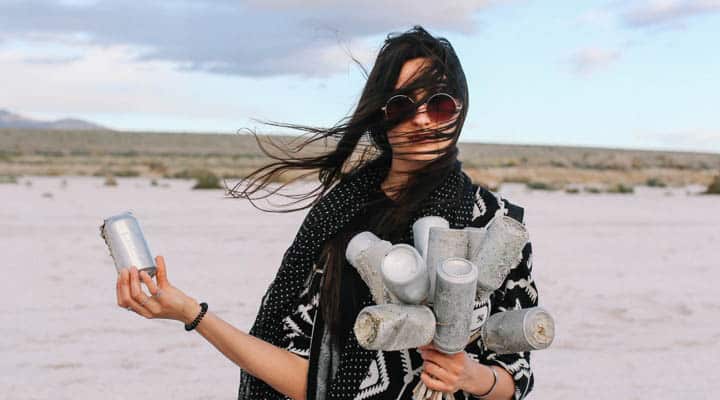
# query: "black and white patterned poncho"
{"type": "Point", "coordinates": [374, 375]}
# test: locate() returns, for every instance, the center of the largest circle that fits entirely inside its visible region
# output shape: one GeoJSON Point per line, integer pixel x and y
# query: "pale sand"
{"type": "Point", "coordinates": [630, 280]}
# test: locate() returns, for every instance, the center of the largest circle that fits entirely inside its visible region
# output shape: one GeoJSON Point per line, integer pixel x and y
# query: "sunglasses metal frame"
{"type": "Point", "coordinates": [458, 107]}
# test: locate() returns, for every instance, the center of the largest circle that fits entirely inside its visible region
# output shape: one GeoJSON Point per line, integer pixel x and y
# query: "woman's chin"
{"type": "Point", "coordinates": [420, 155]}
{"type": "Point", "coordinates": [425, 157]}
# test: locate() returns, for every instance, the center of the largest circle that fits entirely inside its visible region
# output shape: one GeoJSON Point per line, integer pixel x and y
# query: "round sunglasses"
{"type": "Point", "coordinates": [441, 107]}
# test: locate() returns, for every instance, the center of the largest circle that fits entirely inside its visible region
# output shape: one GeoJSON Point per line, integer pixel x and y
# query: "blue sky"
{"type": "Point", "coordinates": [632, 74]}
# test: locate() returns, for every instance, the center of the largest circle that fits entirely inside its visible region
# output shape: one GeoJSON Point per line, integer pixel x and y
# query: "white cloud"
{"type": "Point", "coordinates": [52, 60]}
{"type": "Point", "coordinates": [667, 13]}
{"type": "Point", "coordinates": [591, 59]}
{"type": "Point", "coordinates": [252, 38]}
{"type": "Point", "coordinates": [195, 59]}
{"type": "Point", "coordinates": [105, 80]}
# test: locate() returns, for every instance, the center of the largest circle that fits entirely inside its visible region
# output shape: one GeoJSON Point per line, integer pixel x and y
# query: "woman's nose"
{"type": "Point", "coordinates": [421, 117]}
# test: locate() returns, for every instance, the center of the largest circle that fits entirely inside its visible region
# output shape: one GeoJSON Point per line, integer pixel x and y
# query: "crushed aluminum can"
{"type": "Point", "coordinates": [126, 243]}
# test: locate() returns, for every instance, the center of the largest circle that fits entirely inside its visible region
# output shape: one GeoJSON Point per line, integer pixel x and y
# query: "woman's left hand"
{"type": "Point", "coordinates": [445, 372]}
{"type": "Point", "coordinates": [173, 304]}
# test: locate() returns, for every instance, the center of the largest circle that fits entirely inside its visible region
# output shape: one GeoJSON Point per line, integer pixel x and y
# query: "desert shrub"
{"type": "Point", "coordinates": [516, 179]}
{"type": "Point", "coordinates": [592, 189]}
{"type": "Point", "coordinates": [206, 179]}
{"type": "Point", "coordinates": [8, 179]}
{"type": "Point", "coordinates": [620, 188]}
{"type": "Point", "coordinates": [154, 182]}
{"type": "Point", "coordinates": [250, 156]}
{"type": "Point", "coordinates": [110, 181]}
{"type": "Point", "coordinates": [655, 182]}
{"type": "Point", "coordinates": [572, 190]}
{"type": "Point", "coordinates": [50, 153]}
{"type": "Point", "coordinates": [105, 171]}
{"type": "Point", "coordinates": [540, 186]}
{"type": "Point", "coordinates": [126, 173]}
{"type": "Point", "coordinates": [714, 186]}
{"type": "Point", "coordinates": [5, 156]}
{"type": "Point", "coordinates": [128, 153]}
{"type": "Point", "coordinates": [638, 163]}
{"type": "Point", "coordinates": [157, 166]}
{"type": "Point", "coordinates": [54, 172]}
{"type": "Point", "coordinates": [184, 174]}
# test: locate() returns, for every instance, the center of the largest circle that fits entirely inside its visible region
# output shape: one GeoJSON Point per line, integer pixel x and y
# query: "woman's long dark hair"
{"type": "Point", "coordinates": [359, 139]}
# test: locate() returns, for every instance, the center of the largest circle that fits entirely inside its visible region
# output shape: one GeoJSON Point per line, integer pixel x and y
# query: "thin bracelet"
{"type": "Point", "coordinates": [495, 379]}
{"type": "Point", "coordinates": [196, 321]}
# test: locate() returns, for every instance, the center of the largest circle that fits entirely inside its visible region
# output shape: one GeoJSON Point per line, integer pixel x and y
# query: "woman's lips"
{"type": "Point", "coordinates": [417, 137]}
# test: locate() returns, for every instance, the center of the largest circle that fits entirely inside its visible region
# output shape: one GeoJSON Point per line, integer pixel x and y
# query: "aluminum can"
{"type": "Point", "coordinates": [127, 244]}
{"type": "Point", "coordinates": [454, 301]}
{"type": "Point", "coordinates": [405, 274]}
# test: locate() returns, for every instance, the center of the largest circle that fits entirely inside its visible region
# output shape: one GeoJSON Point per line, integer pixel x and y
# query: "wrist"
{"type": "Point", "coordinates": [493, 385]}
{"type": "Point", "coordinates": [484, 381]}
{"type": "Point", "coordinates": [191, 309]}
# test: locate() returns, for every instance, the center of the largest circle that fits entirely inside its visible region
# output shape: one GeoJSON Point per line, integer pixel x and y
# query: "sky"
{"type": "Point", "coordinates": [622, 74]}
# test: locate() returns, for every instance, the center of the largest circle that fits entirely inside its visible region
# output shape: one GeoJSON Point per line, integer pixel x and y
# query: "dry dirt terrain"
{"type": "Point", "coordinates": [32, 152]}
{"type": "Point", "coordinates": [630, 279]}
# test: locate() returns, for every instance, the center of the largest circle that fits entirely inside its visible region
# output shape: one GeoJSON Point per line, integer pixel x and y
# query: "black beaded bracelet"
{"type": "Point", "coordinates": [196, 321]}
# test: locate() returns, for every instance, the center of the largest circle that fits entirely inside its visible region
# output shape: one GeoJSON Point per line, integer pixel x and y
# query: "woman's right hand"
{"type": "Point", "coordinates": [166, 302]}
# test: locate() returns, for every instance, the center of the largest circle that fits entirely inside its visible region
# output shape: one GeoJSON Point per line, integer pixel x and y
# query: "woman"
{"type": "Point", "coordinates": [394, 161]}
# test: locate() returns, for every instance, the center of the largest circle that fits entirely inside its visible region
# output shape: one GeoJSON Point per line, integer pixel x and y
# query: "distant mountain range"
{"type": "Point", "coordinates": [11, 120]}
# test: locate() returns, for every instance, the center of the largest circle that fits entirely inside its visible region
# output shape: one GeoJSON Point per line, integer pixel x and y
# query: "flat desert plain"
{"type": "Point", "coordinates": [631, 280]}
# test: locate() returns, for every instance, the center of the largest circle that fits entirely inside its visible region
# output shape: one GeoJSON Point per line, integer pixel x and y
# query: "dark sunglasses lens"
{"type": "Point", "coordinates": [441, 108]}
{"type": "Point", "coordinates": [398, 106]}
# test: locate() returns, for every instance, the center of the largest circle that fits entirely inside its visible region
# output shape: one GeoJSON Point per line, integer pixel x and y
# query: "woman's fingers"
{"type": "Point", "coordinates": [438, 372]}
{"type": "Point", "coordinates": [118, 289]}
{"type": "Point", "coordinates": [123, 288]}
{"type": "Point", "coordinates": [152, 303]}
{"type": "Point", "coordinates": [147, 280]}
{"type": "Point", "coordinates": [161, 272]}
{"type": "Point", "coordinates": [131, 292]}
{"type": "Point", "coordinates": [435, 384]}
{"type": "Point", "coordinates": [135, 289]}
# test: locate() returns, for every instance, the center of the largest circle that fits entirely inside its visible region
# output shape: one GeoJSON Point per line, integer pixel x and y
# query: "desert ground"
{"type": "Point", "coordinates": [630, 279]}
{"type": "Point", "coordinates": [164, 155]}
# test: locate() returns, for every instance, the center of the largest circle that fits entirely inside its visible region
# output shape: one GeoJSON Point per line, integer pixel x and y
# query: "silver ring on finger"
{"type": "Point", "coordinates": [157, 294]}
{"type": "Point", "coordinates": [145, 302]}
